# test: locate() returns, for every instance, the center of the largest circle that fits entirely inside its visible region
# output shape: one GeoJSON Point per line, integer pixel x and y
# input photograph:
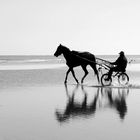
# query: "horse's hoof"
{"type": "Point", "coordinates": [77, 82]}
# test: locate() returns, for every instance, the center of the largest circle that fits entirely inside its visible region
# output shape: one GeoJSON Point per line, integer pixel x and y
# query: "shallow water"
{"type": "Point", "coordinates": [69, 112]}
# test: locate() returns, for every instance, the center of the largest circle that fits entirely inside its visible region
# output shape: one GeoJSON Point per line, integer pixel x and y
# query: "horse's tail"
{"type": "Point", "coordinates": [93, 64]}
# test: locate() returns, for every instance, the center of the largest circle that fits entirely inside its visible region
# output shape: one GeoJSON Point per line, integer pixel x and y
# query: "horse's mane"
{"type": "Point", "coordinates": [65, 48]}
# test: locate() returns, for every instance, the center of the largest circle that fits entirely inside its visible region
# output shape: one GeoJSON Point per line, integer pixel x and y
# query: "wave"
{"type": "Point", "coordinates": [31, 66]}
{"type": "Point", "coordinates": [50, 61]}
{"type": "Point", "coordinates": [114, 85]}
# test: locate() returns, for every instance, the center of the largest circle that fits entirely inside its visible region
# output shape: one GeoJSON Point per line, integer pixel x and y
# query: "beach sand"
{"type": "Point", "coordinates": [30, 100]}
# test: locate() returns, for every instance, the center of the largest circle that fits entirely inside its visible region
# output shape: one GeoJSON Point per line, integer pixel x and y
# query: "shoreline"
{"type": "Point", "coordinates": [53, 75]}
{"type": "Point", "coordinates": [48, 65]}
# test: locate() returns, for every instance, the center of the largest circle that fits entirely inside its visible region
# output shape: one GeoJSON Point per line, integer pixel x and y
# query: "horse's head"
{"type": "Point", "coordinates": [61, 50]}
{"type": "Point", "coordinates": [58, 51]}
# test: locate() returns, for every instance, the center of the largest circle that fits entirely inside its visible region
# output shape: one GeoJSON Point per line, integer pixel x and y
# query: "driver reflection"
{"type": "Point", "coordinates": [116, 99]}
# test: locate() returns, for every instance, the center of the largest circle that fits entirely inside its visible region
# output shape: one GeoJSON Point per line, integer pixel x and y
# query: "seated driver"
{"type": "Point", "coordinates": [120, 65]}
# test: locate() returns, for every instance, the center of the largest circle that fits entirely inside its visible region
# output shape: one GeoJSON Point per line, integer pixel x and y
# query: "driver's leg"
{"type": "Point", "coordinates": [111, 71]}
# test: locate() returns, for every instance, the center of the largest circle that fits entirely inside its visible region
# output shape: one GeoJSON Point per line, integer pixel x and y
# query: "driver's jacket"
{"type": "Point", "coordinates": [121, 62]}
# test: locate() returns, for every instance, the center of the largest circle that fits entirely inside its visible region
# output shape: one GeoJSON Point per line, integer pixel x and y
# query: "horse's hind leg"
{"type": "Point", "coordinates": [96, 72]}
{"type": "Point", "coordinates": [86, 73]}
{"type": "Point", "coordinates": [72, 71]}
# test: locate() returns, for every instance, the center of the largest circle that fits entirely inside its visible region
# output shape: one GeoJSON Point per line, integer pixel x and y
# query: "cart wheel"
{"type": "Point", "coordinates": [104, 81]}
{"type": "Point", "coordinates": [123, 79]}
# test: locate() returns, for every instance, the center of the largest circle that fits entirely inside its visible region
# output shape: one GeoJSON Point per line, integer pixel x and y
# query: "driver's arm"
{"type": "Point", "coordinates": [116, 62]}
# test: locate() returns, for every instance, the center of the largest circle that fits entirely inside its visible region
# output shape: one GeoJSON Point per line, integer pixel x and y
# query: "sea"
{"type": "Point", "coordinates": [52, 59]}
{"type": "Point", "coordinates": [49, 61]}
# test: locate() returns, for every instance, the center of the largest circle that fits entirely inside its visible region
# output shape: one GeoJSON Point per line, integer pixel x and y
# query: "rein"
{"type": "Point", "coordinates": [87, 59]}
{"type": "Point", "coordinates": [103, 60]}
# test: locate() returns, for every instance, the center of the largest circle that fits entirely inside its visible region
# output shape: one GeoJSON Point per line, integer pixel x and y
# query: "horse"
{"type": "Point", "coordinates": [76, 58]}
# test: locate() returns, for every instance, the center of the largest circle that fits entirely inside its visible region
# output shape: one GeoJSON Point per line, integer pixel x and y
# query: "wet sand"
{"type": "Point", "coordinates": [33, 104]}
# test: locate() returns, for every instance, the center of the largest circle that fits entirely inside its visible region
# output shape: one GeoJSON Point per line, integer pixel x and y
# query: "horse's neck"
{"type": "Point", "coordinates": [67, 55]}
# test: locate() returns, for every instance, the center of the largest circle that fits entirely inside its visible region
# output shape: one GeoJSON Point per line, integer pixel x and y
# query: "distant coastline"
{"type": "Point", "coordinates": [52, 59]}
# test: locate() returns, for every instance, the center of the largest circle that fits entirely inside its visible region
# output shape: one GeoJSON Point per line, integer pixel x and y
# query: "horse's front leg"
{"type": "Point", "coordinates": [72, 71]}
{"type": "Point", "coordinates": [67, 75]}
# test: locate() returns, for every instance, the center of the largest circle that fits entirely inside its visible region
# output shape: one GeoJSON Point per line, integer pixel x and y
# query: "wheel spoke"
{"type": "Point", "coordinates": [123, 79]}
{"type": "Point", "coordinates": [105, 81]}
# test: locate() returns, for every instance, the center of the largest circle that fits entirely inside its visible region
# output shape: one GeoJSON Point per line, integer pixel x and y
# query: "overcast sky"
{"type": "Point", "coordinates": [98, 26]}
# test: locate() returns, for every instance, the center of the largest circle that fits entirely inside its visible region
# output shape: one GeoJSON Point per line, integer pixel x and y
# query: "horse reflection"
{"type": "Point", "coordinates": [75, 109]}
{"type": "Point", "coordinates": [102, 98]}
